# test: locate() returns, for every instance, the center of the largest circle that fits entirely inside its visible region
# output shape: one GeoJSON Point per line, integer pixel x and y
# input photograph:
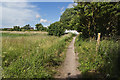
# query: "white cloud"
{"type": "Point", "coordinates": [62, 8]}
{"type": "Point", "coordinates": [46, 25]}
{"type": "Point", "coordinates": [0, 15]}
{"type": "Point", "coordinates": [71, 5]}
{"type": "Point", "coordinates": [44, 21]}
{"type": "Point", "coordinates": [14, 0]}
{"type": "Point", "coordinates": [62, 12]}
{"type": "Point", "coordinates": [58, 0]}
{"type": "Point", "coordinates": [15, 13]}
{"type": "Point", "coordinates": [37, 0]}
{"type": "Point", "coordinates": [18, 5]}
{"type": "Point", "coordinates": [38, 16]}
{"type": "Point", "coordinates": [59, 19]}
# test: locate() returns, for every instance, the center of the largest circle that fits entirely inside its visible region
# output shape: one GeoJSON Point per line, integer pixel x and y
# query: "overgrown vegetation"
{"type": "Point", "coordinates": [93, 17]}
{"type": "Point", "coordinates": [104, 62]}
{"type": "Point", "coordinates": [40, 27]}
{"type": "Point", "coordinates": [35, 56]}
{"type": "Point", "coordinates": [28, 57]}
{"type": "Point", "coordinates": [89, 18]}
{"type": "Point", "coordinates": [56, 29]}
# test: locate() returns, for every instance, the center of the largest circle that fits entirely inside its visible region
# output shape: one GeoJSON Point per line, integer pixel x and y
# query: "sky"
{"type": "Point", "coordinates": [22, 13]}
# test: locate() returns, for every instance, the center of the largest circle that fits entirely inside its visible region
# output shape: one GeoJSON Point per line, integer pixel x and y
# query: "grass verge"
{"type": "Point", "coordinates": [32, 56]}
{"type": "Point", "coordinates": [104, 63]}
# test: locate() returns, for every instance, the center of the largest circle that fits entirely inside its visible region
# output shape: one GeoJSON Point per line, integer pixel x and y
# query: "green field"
{"type": "Point", "coordinates": [32, 55]}
{"type": "Point", "coordinates": [103, 63]}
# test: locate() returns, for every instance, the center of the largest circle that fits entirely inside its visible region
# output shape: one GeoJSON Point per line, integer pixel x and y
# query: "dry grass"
{"type": "Point", "coordinates": [31, 56]}
{"type": "Point", "coordinates": [24, 32]}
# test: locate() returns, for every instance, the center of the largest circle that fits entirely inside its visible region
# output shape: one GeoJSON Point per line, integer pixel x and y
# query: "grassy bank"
{"type": "Point", "coordinates": [105, 63]}
{"type": "Point", "coordinates": [32, 56]}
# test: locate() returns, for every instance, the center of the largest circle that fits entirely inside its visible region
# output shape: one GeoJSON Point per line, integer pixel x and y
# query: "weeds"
{"type": "Point", "coordinates": [105, 61]}
{"type": "Point", "coordinates": [33, 56]}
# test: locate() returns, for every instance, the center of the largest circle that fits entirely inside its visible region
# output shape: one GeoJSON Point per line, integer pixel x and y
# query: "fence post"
{"type": "Point", "coordinates": [98, 42]}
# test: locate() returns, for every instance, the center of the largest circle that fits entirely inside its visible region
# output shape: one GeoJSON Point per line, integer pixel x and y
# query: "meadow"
{"type": "Point", "coordinates": [103, 63]}
{"type": "Point", "coordinates": [32, 55]}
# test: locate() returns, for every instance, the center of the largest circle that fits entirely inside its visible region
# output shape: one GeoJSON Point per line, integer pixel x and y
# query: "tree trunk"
{"type": "Point", "coordinates": [89, 30]}
{"type": "Point", "coordinates": [93, 21]}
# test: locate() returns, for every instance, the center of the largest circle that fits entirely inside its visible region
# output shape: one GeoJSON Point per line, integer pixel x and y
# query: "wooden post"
{"type": "Point", "coordinates": [98, 42]}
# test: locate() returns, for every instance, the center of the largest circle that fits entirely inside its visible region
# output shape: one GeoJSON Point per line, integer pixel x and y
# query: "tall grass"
{"type": "Point", "coordinates": [105, 61]}
{"type": "Point", "coordinates": [33, 56]}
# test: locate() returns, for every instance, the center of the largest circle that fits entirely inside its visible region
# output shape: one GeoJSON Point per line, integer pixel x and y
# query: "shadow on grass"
{"type": "Point", "coordinates": [90, 76]}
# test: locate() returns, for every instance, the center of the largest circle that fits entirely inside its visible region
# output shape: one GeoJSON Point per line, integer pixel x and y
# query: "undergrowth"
{"type": "Point", "coordinates": [33, 56]}
{"type": "Point", "coordinates": [105, 61]}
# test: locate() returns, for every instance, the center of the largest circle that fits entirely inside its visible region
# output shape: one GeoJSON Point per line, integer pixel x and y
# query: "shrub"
{"type": "Point", "coordinates": [56, 29]}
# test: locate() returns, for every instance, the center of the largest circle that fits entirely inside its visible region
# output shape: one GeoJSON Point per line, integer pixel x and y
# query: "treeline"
{"type": "Point", "coordinates": [89, 18]}
{"type": "Point", "coordinates": [39, 27]}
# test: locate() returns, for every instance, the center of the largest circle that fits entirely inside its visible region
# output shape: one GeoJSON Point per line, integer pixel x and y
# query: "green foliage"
{"type": "Point", "coordinates": [27, 57]}
{"type": "Point", "coordinates": [105, 61]}
{"type": "Point", "coordinates": [26, 27]}
{"type": "Point", "coordinates": [56, 29]}
{"type": "Point", "coordinates": [40, 27]}
{"type": "Point", "coordinates": [16, 28]}
{"type": "Point", "coordinates": [67, 18]}
{"type": "Point", "coordinates": [7, 29]}
{"type": "Point", "coordinates": [91, 18]}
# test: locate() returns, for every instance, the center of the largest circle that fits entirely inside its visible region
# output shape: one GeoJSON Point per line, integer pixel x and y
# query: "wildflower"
{"type": "Point", "coordinates": [105, 53]}
{"type": "Point", "coordinates": [107, 75]}
{"type": "Point", "coordinates": [108, 62]}
{"type": "Point", "coordinates": [6, 61]}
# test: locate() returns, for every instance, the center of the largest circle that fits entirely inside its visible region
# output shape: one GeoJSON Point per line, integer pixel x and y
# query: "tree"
{"type": "Point", "coordinates": [66, 18]}
{"type": "Point", "coordinates": [39, 27]}
{"type": "Point", "coordinates": [94, 17]}
{"type": "Point", "coordinates": [56, 29]}
{"type": "Point", "coordinates": [16, 28]}
{"type": "Point", "coordinates": [90, 18]}
{"type": "Point", "coordinates": [26, 27]}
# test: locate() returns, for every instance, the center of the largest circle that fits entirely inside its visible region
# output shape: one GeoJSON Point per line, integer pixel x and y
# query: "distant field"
{"type": "Point", "coordinates": [32, 55]}
{"type": "Point", "coordinates": [20, 35]}
{"type": "Point", "coordinates": [22, 32]}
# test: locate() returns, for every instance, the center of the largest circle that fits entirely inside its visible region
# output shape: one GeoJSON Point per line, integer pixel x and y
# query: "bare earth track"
{"type": "Point", "coordinates": [69, 68]}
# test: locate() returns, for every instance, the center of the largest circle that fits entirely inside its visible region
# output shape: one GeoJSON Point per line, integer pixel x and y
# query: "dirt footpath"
{"type": "Point", "coordinates": [69, 68]}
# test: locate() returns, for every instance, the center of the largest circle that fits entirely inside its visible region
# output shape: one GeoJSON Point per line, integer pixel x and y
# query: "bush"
{"type": "Point", "coordinates": [40, 27]}
{"type": "Point", "coordinates": [56, 29]}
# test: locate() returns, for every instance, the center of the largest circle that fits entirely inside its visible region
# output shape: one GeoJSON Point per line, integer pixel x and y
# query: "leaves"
{"type": "Point", "coordinates": [104, 61]}
{"type": "Point", "coordinates": [92, 17]}
{"type": "Point", "coordinates": [56, 29]}
{"type": "Point", "coordinates": [40, 27]}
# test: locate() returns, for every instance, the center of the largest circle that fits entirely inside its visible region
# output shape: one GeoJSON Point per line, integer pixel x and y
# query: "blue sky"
{"type": "Point", "coordinates": [22, 13]}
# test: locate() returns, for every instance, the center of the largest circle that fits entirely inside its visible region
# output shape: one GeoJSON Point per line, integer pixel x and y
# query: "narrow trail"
{"type": "Point", "coordinates": [69, 68]}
